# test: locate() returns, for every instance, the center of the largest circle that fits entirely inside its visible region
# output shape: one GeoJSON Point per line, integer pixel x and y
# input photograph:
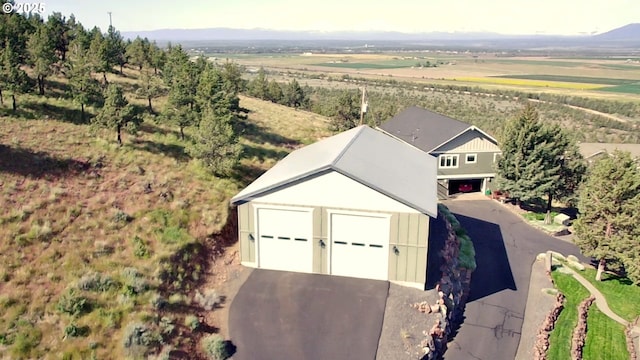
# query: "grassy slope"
{"type": "Point", "coordinates": [64, 193]}
{"type": "Point", "coordinates": [605, 337]}
{"type": "Point", "coordinates": [622, 296]}
{"type": "Point", "coordinates": [560, 339]}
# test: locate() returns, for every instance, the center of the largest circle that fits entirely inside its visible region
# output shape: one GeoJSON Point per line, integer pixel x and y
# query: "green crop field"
{"type": "Point", "coordinates": [626, 88]}
{"type": "Point", "coordinates": [383, 65]}
{"type": "Point", "coordinates": [571, 79]}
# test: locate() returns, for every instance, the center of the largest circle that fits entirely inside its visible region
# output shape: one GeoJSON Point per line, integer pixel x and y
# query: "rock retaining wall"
{"type": "Point", "coordinates": [453, 291]}
{"type": "Point", "coordinates": [542, 339]}
{"type": "Point", "coordinates": [580, 331]}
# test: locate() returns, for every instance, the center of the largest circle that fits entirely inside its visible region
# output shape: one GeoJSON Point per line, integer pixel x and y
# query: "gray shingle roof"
{"type": "Point", "coordinates": [363, 154]}
{"type": "Point", "coordinates": [424, 129]}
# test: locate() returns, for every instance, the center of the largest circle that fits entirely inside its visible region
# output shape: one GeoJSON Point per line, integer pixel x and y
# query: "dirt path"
{"type": "Point", "coordinates": [590, 111]}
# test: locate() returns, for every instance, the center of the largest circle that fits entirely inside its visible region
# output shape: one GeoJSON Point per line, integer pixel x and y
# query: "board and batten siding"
{"type": "Point", "coordinates": [409, 234]}
{"type": "Point", "coordinates": [469, 142]}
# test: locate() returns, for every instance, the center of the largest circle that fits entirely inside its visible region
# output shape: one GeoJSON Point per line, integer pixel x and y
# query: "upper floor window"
{"type": "Point", "coordinates": [496, 157]}
{"type": "Point", "coordinates": [471, 159]}
{"type": "Point", "coordinates": [448, 161]}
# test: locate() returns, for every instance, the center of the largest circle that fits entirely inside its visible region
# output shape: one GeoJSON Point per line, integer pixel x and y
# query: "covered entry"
{"type": "Point", "coordinates": [285, 239]}
{"type": "Point", "coordinates": [359, 245]}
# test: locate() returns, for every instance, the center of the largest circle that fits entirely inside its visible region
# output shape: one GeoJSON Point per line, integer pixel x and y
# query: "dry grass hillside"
{"type": "Point", "coordinates": [103, 248]}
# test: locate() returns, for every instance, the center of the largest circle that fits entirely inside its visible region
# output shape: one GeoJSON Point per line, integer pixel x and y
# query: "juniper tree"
{"type": "Point", "coordinates": [609, 204]}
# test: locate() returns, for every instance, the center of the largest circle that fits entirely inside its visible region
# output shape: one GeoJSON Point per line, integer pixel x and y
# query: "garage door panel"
{"type": "Point", "coordinates": [284, 240]}
{"type": "Point", "coordinates": [359, 246]}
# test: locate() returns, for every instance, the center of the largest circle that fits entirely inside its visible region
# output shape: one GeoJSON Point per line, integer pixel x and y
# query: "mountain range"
{"type": "Point", "coordinates": [625, 36]}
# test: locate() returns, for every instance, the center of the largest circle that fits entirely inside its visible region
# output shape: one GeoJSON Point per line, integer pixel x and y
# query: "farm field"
{"type": "Point", "coordinates": [598, 77]}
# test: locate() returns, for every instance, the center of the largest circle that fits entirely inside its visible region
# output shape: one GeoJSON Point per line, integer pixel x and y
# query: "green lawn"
{"type": "Point", "coordinates": [605, 338]}
{"type": "Point", "coordinates": [622, 296]}
{"type": "Point", "coordinates": [560, 339]}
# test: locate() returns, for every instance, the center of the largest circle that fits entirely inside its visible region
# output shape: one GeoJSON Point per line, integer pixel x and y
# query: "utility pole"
{"type": "Point", "coordinates": [363, 105]}
{"type": "Point", "coordinates": [109, 12]}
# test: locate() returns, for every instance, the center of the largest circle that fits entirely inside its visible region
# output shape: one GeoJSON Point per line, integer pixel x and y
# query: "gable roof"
{"type": "Point", "coordinates": [425, 129]}
{"type": "Point", "coordinates": [365, 155]}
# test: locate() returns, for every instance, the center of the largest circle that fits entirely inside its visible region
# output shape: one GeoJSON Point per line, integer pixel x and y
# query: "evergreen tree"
{"type": "Point", "coordinates": [607, 227]}
{"type": "Point", "coordinates": [150, 87]}
{"type": "Point", "coordinates": [84, 90]}
{"type": "Point", "coordinates": [12, 77]}
{"type": "Point", "coordinates": [42, 55]}
{"type": "Point", "coordinates": [215, 142]}
{"type": "Point", "coordinates": [538, 162]}
{"type": "Point", "coordinates": [117, 113]}
{"type": "Point", "coordinates": [181, 78]}
{"type": "Point", "coordinates": [59, 30]}
{"type": "Point", "coordinates": [274, 92]}
{"type": "Point", "coordinates": [15, 30]}
{"type": "Point", "coordinates": [345, 111]}
{"type": "Point", "coordinates": [116, 48]}
{"type": "Point", "coordinates": [157, 57]}
{"type": "Point", "coordinates": [258, 87]}
{"type": "Point", "coordinates": [99, 53]}
{"type": "Point", "coordinates": [293, 95]}
{"type": "Point", "coordinates": [138, 52]}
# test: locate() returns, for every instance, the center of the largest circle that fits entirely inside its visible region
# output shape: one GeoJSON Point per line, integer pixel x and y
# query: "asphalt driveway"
{"type": "Point", "coordinates": [506, 248]}
{"type": "Point", "coordinates": [284, 315]}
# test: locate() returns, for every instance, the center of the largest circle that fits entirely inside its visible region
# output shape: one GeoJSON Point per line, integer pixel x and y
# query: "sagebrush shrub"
{"type": "Point", "coordinates": [214, 347]}
{"type": "Point", "coordinates": [209, 300]}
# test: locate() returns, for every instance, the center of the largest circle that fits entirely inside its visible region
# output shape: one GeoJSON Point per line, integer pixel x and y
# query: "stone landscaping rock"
{"type": "Point", "coordinates": [562, 219]}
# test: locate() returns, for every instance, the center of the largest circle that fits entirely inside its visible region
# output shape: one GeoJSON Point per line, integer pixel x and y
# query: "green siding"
{"type": "Point", "coordinates": [246, 232]}
{"type": "Point", "coordinates": [484, 164]}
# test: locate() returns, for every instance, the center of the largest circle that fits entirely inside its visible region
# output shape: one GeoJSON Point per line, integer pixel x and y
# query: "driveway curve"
{"type": "Point", "coordinates": [506, 247]}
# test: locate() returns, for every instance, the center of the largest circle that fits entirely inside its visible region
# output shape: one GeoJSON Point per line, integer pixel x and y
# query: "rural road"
{"type": "Point", "coordinates": [506, 248]}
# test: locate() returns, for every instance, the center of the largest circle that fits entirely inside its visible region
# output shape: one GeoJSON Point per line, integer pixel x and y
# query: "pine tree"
{"type": "Point", "coordinates": [99, 53]}
{"type": "Point", "coordinates": [607, 228]}
{"type": "Point", "coordinates": [150, 87]}
{"type": "Point", "coordinates": [274, 92]}
{"type": "Point", "coordinates": [42, 55]}
{"type": "Point", "coordinates": [258, 87]}
{"type": "Point", "coordinates": [346, 111]}
{"type": "Point", "coordinates": [157, 57]}
{"type": "Point", "coordinates": [139, 52]}
{"type": "Point", "coordinates": [116, 48]}
{"type": "Point", "coordinates": [83, 89]}
{"type": "Point", "coordinates": [117, 113]}
{"type": "Point", "coordinates": [58, 30]}
{"type": "Point", "coordinates": [215, 142]}
{"type": "Point", "coordinates": [12, 77]}
{"type": "Point", "coordinates": [294, 96]}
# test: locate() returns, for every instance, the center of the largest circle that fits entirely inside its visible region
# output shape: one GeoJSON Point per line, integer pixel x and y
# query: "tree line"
{"type": "Point", "coordinates": [200, 94]}
{"type": "Point", "coordinates": [540, 162]}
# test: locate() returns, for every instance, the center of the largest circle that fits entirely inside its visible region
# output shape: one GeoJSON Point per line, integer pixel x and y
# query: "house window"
{"type": "Point", "coordinates": [496, 157]}
{"type": "Point", "coordinates": [448, 161]}
{"type": "Point", "coordinates": [471, 158]}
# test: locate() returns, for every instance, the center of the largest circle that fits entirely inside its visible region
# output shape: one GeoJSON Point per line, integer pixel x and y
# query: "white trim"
{"type": "Point", "coordinates": [475, 158]}
{"type": "Point", "coordinates": [466, 176]}
{"type": "Point", "coordinates": [355, 213]}
{"type": "Point", "coordinates": [453, 156]}
{"type": "Point", "coordinates": [494, 156]}
{"type": "Point", "coordinates": [257, 207]}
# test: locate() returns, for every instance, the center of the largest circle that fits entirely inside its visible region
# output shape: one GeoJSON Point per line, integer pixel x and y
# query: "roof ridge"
{"type": "Point", "coordinates": [346, 148]}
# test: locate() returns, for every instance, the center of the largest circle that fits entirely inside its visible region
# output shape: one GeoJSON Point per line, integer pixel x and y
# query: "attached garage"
{"type": "Point", "coordinates": [358, 204]}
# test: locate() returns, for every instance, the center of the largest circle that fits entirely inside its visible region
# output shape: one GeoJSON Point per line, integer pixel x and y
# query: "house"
{"type": "Point", "coordinates": [356, 204]}
{"type": "Point", "coordinates": [465, 154]}
{"type": "Point", "coordinates": [594, 151]}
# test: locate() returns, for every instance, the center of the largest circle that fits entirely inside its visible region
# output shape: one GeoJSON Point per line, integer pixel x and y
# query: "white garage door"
{"type": "Point", "coordinates": [284, 240]}
{"type": "Point", "coordinates": [359, 246]}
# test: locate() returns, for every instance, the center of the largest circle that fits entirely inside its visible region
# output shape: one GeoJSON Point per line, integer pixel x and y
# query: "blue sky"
{"type": "Point", "coordinates": [503, 16]}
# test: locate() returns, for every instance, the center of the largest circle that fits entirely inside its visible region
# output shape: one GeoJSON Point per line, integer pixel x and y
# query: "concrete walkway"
{"type": "Point", "coordinates": [601, 301]}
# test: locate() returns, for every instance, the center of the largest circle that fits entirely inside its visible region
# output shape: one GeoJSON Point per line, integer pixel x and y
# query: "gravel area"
{"type": "Point", "coordinates": [539, 304]}
{"type": "Point", "coordinates": [403, 326]}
